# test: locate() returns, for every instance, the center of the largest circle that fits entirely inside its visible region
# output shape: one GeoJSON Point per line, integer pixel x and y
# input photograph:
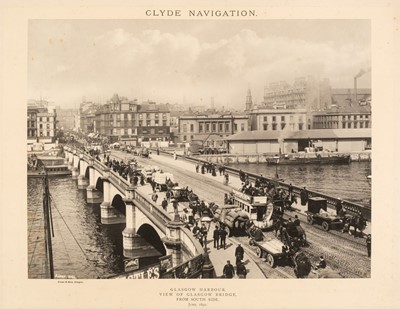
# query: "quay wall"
{"type": "Point", "coordinates": [262, 158]}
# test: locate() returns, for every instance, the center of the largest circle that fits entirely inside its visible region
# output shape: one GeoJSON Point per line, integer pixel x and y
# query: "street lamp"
{"type": "Point", "coordinates": [208, 268]}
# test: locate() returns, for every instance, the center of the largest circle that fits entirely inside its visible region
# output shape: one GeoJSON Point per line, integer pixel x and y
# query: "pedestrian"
{"type": "Point", "coordinates": [339, 206]}
{"type": "Point", "coordinates": [290, 191]}
{"type": "Point", "coordinates": [368, 242]}
{"type": "Point", "coordinates": [241, 270]}
{"type": "Point", "coordinates": [296, 220]}
{"type": "Point", "coordinates": [228, 271]}
{"type": "Point", "coordinates": [153, 185]}
{"type": "Point", "coordinates": [196, 229]}
{"type": "Point", "coordinates": [164, 204]}
{"type": "Point", "coordinates": [168, 195]}
{"type": "Point", "coordinates": [174, 155]}
{"type": "Point", "coordinates": [216, 238]}
{"type": "Point", "coordinates": [226, 179]}
{"type": "Point", "coordinates": [222, 237]}
{"type": "Point", "coordinates": [304, 196]}
{"type": "Point", "coordinates": [239, 254]}
{"type": "Point", "coordinates": [154, 196]}
{"type": "Point", "coordinates": [197, 167]}
{"type": "Point", "coordinates": [203, 232]}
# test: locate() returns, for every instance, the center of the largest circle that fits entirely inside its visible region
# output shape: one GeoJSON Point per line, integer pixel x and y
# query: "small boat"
{"type": "Point", "coordinates": [309, 158]}
{"type": "Point", "coordinates": [54, 166]}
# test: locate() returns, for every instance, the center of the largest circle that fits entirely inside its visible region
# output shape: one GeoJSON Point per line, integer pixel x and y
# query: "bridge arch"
{"type": "Point", "coordinates": [118, 203]}
{"type": "Point", "coordinates": [148, 233]}
{"type": "Point", "coordinates": [100, 185]}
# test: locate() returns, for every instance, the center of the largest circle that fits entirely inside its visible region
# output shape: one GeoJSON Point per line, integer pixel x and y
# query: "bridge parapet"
{"type": "Point", "coordinates": [159, 217]}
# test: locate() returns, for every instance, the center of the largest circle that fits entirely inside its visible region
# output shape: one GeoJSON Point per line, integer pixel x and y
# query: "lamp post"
{"type": "Point", "coordinates": [208, 268]}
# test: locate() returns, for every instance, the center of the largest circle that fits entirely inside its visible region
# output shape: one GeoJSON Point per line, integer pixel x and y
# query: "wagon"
{"type": "Point", "coordinates": [271, 249]}
{"type": "Point", "coordinates": [296, 236]}
{"type": "Point", "coordinates": [317, 213]}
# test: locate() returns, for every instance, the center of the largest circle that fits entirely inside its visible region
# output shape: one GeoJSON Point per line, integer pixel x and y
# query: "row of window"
{"type": "Point", "coordinates": [213, 127]}
{"type": "Point", "coordinates": [275, 127]}
{"type": "Point", "coordinates": [32, 133]}
{"type": "Point", "coordinates": [140, 123]}
{"type": "Point", "coordinates": [127, 116]}
{"type": "Point", "coordinates": [283, 118]}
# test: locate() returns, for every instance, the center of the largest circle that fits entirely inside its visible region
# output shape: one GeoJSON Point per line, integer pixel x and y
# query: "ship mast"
{"type": "Point", "coordinates": [48, 226]}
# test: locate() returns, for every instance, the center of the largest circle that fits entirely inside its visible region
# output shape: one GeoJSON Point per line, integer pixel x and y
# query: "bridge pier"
{"type": "Point", "coordinates": [83, 182]}
{"type": "Point", "coordinates": [75, 173]}
{"type": "Point", "coordinates": [109, 215]}
{"type": "Point", "coordinates": [134, 245]}
{"type": "Point", "coordinates": [93, 196]}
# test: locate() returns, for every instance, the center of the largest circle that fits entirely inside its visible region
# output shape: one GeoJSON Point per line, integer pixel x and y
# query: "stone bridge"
{"type": "Point", "coordinates": [149, 231]}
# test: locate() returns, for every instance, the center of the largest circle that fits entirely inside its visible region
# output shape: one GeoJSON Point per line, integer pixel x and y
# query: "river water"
{"type": "Point", "coordinates": [85, 248]}
{"type": "Point", "coordinates": [349, 182]}
{"type": "Point", "coordinates": [82, 246]}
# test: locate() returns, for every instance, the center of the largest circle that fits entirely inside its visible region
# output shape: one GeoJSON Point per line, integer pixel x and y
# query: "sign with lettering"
{"type": "Point", "coordinates": [150, 272]}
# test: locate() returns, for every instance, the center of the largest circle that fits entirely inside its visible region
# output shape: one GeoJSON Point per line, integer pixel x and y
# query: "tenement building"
{"type": "Point", "coordinates": [41, 122]}
{"type": "Point", "coordinates": [130, 122]}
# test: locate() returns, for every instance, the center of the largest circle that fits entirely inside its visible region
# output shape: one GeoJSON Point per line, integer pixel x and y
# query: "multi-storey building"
{"type": "Point", "coordinates": [202, 127]}
{"type": "Point", "coordinates": [349, 117]}
{"type": "Point", "coordinates": [87, 116]}
{"type": "Point", "coordinates": [310, 93]}
{"type": "Point", "coordinates": [278, 119]}
{"type": "Point", "coordinates": [124, 120]}
{"type": "Point", "coordinates": [41, 123]}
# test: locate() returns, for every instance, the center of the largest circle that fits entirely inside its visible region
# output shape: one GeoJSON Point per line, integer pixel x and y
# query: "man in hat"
{"type": "Point", "coordinates": [216, 237]}
{"type": "Point", "coordinates": [228, 271]}
{"type": "Point", "coordinates": [321, 263]}
{"type": "Point", "coordinates": [368, 241]}
{"type": "Point", "coordinates": [339, 206]}
{"type": "Point", "coordinates": [222, 237]}
{"type": "Point", "coordinates": [241, 270]}
{"type": "Point", "coordinates": [239, 254]}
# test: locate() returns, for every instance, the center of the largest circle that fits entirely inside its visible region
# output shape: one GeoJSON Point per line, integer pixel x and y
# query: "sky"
{"type": "Point", "coordinates": [189, 61]}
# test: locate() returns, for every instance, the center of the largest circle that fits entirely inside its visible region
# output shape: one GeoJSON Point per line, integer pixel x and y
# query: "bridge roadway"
{"type": "Point", "coordinates": [344, 253]}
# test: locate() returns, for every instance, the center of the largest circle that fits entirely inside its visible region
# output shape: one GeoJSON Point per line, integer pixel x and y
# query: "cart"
{"type": "Point", "coordinates": [317, 213]}
{"type": "Point", "coordinates": [271, 249]}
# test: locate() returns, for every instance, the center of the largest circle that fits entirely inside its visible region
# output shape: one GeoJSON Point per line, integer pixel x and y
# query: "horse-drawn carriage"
{"type": "Point", "coordinates": [161, 180]}
{"type": "Point", "coordinates": [275, 250]}
{"type": "Point", "coordinates": [180, 194]}
{"type": "Point", "coordinates": [317, 213]}
{"type": "Point", "coordinates": [293, 235]}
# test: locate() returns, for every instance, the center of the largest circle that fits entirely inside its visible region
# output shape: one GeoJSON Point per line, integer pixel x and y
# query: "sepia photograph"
{"type": "Point", "coordinates": [204, 142]}
{"type": "Point", "coordinates": [240, 149]}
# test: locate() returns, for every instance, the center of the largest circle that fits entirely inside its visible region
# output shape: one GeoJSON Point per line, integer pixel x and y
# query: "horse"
{"type": "Point", "coordinates": [358, 223]}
